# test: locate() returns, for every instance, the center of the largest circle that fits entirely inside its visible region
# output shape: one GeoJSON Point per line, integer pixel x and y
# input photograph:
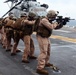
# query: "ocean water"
{"type": "Point", "coordinates": [71, 23]}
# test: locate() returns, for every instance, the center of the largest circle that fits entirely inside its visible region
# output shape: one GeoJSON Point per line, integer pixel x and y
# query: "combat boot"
{"type": "Point", "coordinates": [18, 50]}
{"type": "Point", "coordinates": [7, 50]}
{"type": "Point", "coordinates": [32, 57]}
{"type": "Point", "coordinates": [42, 71]}
{"type": "Point", "coordinates": [25, 61]}
{"type": "Point", "coordinates": [4, 46]}
{"type": "Point", "coordinates": [13, 54]}
{"type": "Point", "coordinates": [48, 65]}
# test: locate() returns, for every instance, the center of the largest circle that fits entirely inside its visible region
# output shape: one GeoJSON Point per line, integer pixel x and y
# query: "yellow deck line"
{"type": "Point", "coordinates": [62, 38]}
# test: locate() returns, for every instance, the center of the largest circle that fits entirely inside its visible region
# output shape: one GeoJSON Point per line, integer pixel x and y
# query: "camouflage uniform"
{"type": "Point", "coordinates": [28, 42]}
{"type": "Point", "coordinates": [43, 33]}
{"type": "Point", "coordinates": [9, 30]}
{"type": "Point", "coordinates": [18, 34]}
{"type": "Point", "coordinates": [3, 38]}
{"type": "Point", "coordinates": [1, 32]}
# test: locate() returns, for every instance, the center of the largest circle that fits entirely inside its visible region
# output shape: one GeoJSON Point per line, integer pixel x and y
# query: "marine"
{"type": "Point", "coordinates": [28, 42]}
{"type": "Point", "coordinates": [18, 33]}
{"type": "Point", "coordinates": [44, 31]}
{"type": "Point", "coordinates": [8, 30]}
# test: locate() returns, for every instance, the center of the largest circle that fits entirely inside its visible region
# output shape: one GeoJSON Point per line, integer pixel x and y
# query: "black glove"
{"type": "Point", "coordinates": [64, 22]}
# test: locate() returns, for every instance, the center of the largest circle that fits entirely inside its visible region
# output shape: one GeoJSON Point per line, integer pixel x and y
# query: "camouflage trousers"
{"type": "Point", "coordinates": [17, 36]}
{"type": "Point", "coordinates": [43, 58]}
{"type": "Point", "coordinates": [9, 35]}
{"type": "Point", "coordinates": [29, 47]}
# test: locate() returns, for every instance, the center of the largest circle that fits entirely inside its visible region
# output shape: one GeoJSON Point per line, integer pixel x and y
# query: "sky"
{"type": "Point", "coordinates": [65, 7]}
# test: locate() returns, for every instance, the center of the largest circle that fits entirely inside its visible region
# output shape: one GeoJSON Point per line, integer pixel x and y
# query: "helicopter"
{"type": "Point", "coordinates": [19, 6]}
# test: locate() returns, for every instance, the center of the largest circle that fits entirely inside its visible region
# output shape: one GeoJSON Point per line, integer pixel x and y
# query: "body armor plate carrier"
{"type": "Point", "coordinates": [44, 32]}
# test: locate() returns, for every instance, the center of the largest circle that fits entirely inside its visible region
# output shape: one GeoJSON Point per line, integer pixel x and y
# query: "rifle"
{"type": "Point", "coordinates": [62, 20]}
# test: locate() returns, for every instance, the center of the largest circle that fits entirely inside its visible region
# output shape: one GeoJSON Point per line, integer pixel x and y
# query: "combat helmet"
{"type": "Point", "coordinates": [51, 13]}
{"type": "Point", "coordinates": [11, 14]}
{"type": "Point", "coordinates": [23, 14]}
{"type": "Point", "coordinates": [31, 14]}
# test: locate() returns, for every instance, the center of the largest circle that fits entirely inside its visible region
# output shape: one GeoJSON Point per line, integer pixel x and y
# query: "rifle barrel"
{"type": "Point", "coordinates": [72, 19]}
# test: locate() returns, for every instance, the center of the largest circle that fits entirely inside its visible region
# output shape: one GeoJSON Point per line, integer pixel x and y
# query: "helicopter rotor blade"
{"type": "Point", "coordinates": [12, 8]}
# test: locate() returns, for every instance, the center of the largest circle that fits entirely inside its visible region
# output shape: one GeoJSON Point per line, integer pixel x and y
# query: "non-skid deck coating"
{"type": "Point", "coordinates": [63, 55]}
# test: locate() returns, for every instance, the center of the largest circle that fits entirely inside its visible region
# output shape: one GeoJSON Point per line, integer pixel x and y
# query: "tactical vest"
{"type": "Point", "coordinates": [28, 29]}
{"type": "Point", "coordinates": [9, 23]}
{"type": "Point", "coordinates": [44, 32]}
{"type": "Point", "coordinates": [17, 24]}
